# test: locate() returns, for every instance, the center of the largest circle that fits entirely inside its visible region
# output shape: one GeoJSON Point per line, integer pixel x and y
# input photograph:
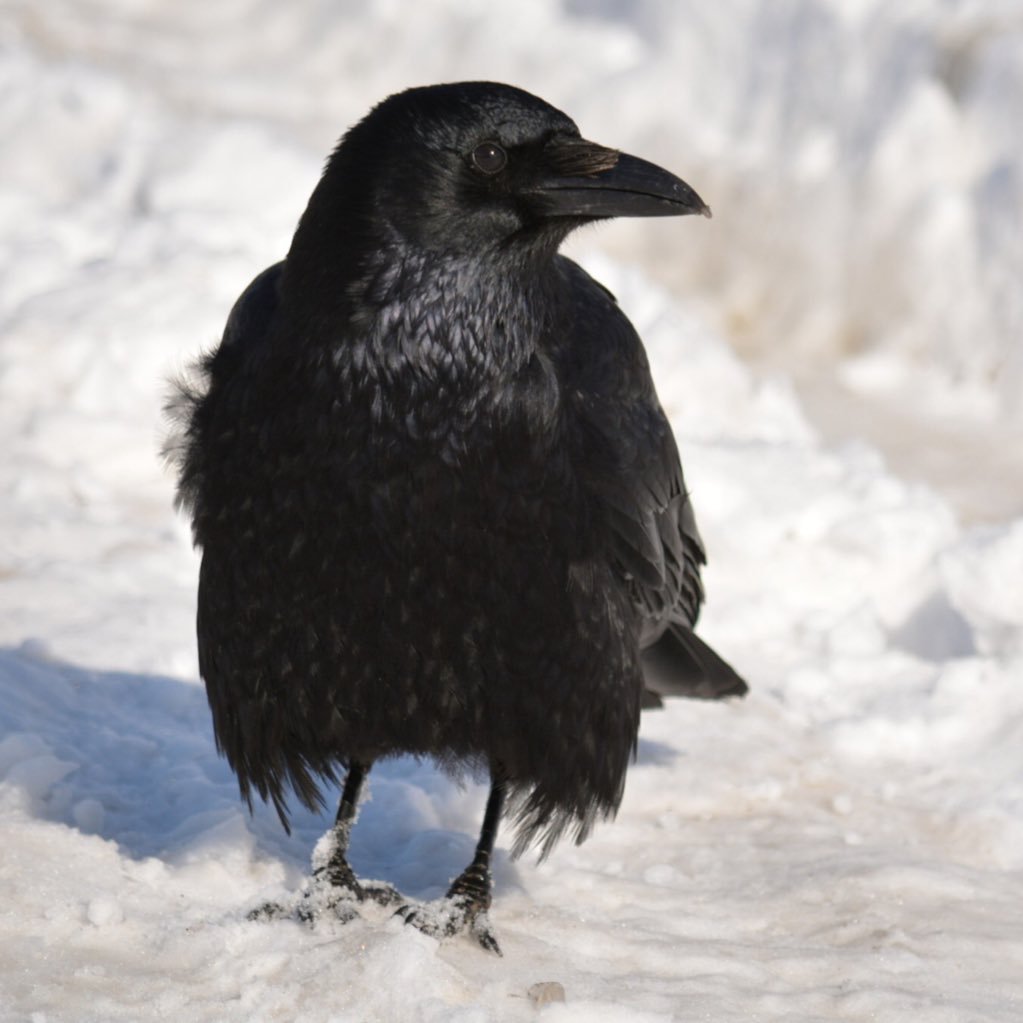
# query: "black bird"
{"type": "Point", "coordinates": [440, 508]}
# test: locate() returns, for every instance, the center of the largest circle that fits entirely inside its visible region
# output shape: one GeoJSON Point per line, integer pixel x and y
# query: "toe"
{"type": "Point", "coordinates": [381, 892]}
{"type": "Point", "coordinates": [451, 916]}
{"type": "Point", "coordinates": [480, 930]}
{"type": "Point", "coordinates": [268, 911]}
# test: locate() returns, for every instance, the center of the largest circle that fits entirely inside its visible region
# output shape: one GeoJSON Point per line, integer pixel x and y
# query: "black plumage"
{"type": "Point", "coordinates": [440, 508]}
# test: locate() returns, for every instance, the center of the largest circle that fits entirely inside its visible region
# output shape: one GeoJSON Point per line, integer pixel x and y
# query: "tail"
{"type": "Point", "coordinates": [681, 664]}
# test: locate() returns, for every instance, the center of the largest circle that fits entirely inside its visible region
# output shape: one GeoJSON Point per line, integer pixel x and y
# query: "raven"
{"type": "Point", "coordinates": [440, 508]}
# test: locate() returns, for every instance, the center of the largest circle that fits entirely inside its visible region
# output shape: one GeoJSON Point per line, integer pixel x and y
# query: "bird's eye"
{"type": "Point", "coordinates": [489, 158]}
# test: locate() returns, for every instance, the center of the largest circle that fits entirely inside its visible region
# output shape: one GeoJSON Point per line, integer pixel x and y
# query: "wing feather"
{"type": "Point", "coordinates": [628, 456]}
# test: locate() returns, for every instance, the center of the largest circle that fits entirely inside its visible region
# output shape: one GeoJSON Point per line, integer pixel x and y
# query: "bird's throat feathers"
{"type": "Point", "coordinates": [446, 323]}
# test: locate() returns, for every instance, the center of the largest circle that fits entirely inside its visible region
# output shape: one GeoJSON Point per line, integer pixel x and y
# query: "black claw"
{"type": "Point", "coordinates": [316, 903]}
{"type": "Point", "coordinates": [268, 911]}
{"type": "Point", "coordinates": [381, 892]}
{"type": "Point", "coordinates": [458, 913]}
{"type": "Point", "coordinates": [410, 915]}
{"type": "Point", "coordinates": [481, 931]}
{"type": "Point", "coordinates": [313, 904]}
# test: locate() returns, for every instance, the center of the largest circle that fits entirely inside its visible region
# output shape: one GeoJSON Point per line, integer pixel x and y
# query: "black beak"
{"type": "Point", "coordinates": [587, 180]}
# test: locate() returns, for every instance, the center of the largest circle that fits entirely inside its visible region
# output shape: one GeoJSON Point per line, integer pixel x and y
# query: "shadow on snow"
{"type": "Point", "coordinates": [131, 758]}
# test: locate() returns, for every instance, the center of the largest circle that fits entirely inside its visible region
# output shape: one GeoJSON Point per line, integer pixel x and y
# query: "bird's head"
{"type": "Point", "coordinates": [477, 166]}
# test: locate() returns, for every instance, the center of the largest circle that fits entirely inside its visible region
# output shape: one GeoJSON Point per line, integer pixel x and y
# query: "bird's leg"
{"type": "Point", "coordinates": [334, 887]}
{"type": "Point", "coordinates": [475, 882]}
{"type": "Point", "coordinates": [330, 860]}
{"type": "Point", "coordinates": [467, 900]}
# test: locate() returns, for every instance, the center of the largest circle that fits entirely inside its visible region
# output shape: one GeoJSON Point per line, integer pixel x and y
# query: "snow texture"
{"type": "Point", "coordinates": [847, 843]}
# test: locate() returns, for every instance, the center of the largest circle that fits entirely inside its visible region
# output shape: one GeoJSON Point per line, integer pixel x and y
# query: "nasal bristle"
{"type": "Point", "coordinates": [581, 159]}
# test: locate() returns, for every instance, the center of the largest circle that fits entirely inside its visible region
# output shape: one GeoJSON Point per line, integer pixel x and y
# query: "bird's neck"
{"type": "Point", "coordinates": [444, 322]}
{"type": "Point", "coordinates": [446, 352]}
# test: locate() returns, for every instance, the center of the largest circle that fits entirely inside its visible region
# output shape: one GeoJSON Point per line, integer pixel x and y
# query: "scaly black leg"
{"type": "Point", "coordinates": [467, 900]}
{"type": "Point", "coordinates": [475, 881]}
{"type": "Point", "coordinates": [332, 873]}
{"type": "Point", "coordinates": [330, 865]}
{"type": "Point", "coordinates": [334, 887]}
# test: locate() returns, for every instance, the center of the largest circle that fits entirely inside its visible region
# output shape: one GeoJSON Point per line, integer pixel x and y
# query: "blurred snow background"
{"type": "Point", "coordinates": [863, 160]}
{"type": "Point", "coordinates": [841, 351]}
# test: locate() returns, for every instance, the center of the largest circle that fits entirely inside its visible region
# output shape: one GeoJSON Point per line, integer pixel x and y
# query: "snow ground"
{"type": "Point", "coordinates": [847, 843]}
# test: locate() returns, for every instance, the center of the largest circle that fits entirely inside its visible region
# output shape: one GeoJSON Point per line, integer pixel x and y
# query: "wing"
{"type": "Point", "coordinates": [630, 462]}
{"type": "Point", "coordinates": [249, 321]}
{"type": "Point", "coordinates": [206, 411]}
{"type": "Point", "coordinates": [190, 404]}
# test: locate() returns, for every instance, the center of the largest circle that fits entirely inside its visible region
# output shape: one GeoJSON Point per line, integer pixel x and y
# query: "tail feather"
{"type": "Point", "coordinates": [681, 664]}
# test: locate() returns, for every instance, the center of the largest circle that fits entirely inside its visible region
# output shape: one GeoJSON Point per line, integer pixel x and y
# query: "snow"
{"type": "Point", "coordinates": [847, 843]}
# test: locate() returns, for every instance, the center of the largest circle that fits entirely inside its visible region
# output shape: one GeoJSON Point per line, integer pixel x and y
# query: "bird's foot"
{"type": "Point", "coordinates": [336, 876]}
{"type": "Point", "coordinates": [313, 903]}
{"type": "Point", "coordinates": [269, 911]}
{"type": "Point", "coordinates": [323, 899]}
{"type": "Point", "coordinates": [333, 891]}
{"type": "Point", "coordinates": [463, 910]}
